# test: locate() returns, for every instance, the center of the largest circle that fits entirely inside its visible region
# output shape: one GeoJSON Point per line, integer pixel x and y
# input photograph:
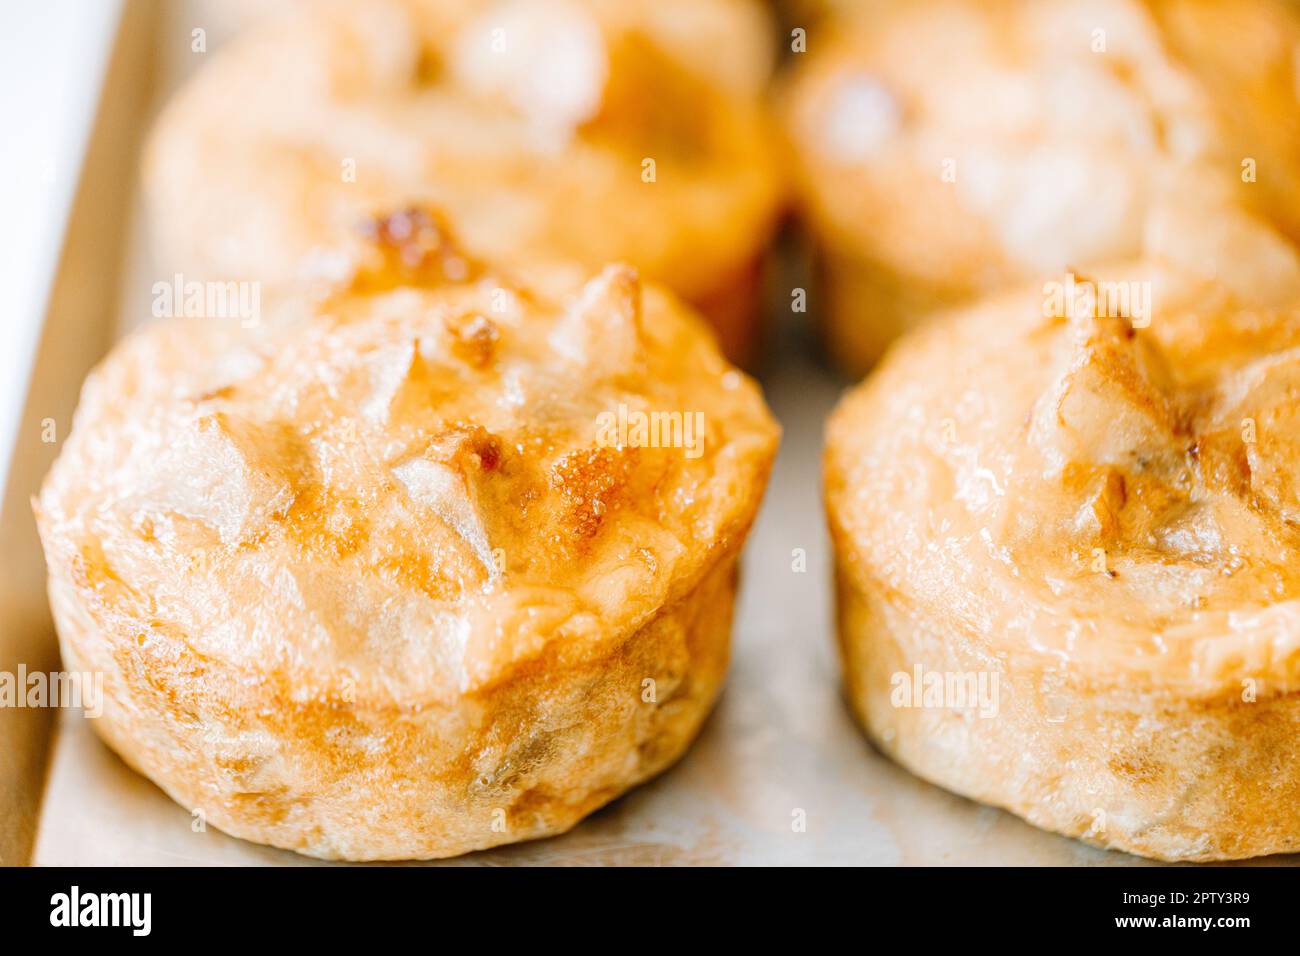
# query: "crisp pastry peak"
{"type": "Point", "coordinates": [1118, 407]}
{"type": "Point", "coordinates": [446, 478]}
{"type": "Point", "coordinates": [1111, 404]}
{"type": "Point", "coordinates": [602, 329]}
{"type": "Point", "coordinates": [1249, 440]}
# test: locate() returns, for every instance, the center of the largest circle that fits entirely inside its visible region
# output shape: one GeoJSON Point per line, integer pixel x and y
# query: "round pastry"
{"type": "Point", "coordinates": [1067, 530]}
{"type": "Point", "coordinates": [950, 148]}
{"type": "Point", "coordinates": [437, 563]}
{"type": "Point", "coordinates": [582, 130]}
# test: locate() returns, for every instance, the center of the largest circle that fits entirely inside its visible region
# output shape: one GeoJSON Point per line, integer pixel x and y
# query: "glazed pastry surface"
{"type": "Point", "coordinates": [1065, 436]}
{"type": "Point", "coordinates": [368, 573]}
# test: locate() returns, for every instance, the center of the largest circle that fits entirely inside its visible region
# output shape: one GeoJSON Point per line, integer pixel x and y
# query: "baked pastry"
{"type": "Point", "coordinates": [946, 149]}
{"type": "Point", "coordinates": [1067, 529]}
{"type": "Point", "coordinates": [582, 130]}
{"type": "Point", "coordinates": [437, 563]}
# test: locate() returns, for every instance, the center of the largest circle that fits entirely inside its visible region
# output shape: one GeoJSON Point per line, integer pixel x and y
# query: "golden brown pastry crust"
{"type": "Point", "coordinates": [946, 149]}
{"type": "Point", "coordinates": [529, 123]}
{"type": "Point", "coordinates": [1104, 519]}
{"type": "Point", "coordinates": [366, 581]}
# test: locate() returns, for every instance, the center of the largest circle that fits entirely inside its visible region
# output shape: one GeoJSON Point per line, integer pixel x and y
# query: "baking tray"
{"type": "Point", "coordinates": [780, 774]}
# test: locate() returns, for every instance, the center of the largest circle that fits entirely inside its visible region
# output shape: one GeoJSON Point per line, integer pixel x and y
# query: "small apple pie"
{"type": "Point", "coordinates": [1067, 530]}
{"type": "Point", "coordinates": [437, 562]}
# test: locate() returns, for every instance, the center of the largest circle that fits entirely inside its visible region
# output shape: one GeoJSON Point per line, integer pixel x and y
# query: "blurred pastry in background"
{"type": "Point", "coordinates": [548, 130]}
{"type": "Point", "coordinates": [438, 562]}
{"type": "Point", "coordinates": [948, 148]}
{"type": "Point", "coordinates": [1066, 523]}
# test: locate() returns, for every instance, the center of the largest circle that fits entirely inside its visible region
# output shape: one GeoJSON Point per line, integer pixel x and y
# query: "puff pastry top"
{"type": "Point", "coordinates": [401, 492]}
{"type": "Point", "coordinates": [528, 122]}
{"type": "Point", "coordinates": [1071, 490]}
{"type": "Point", "coordinates": [975, 143]}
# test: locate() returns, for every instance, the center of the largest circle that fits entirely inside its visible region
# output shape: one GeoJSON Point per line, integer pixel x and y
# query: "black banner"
{"type": "Point", "coordinates": [332, 905]}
